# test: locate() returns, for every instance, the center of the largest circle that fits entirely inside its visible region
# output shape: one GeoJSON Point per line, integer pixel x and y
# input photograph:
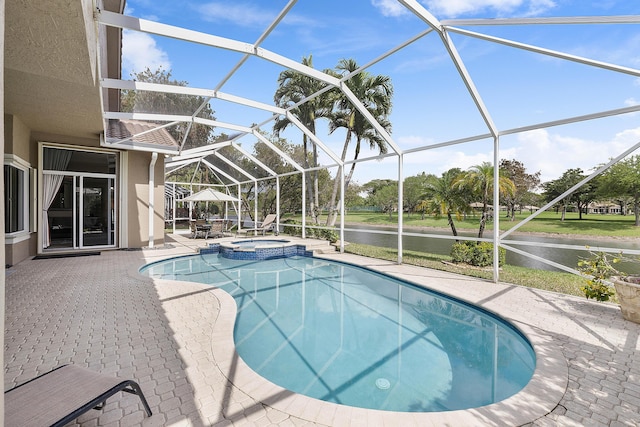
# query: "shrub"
{"type": "Point", "coordinates": [479, 254]}
{"type": "Point", "coordinates": [597, 268]}
{"type": "Point", "coordinates": [294, 228]}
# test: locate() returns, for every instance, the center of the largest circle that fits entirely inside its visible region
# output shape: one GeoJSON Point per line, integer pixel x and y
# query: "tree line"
{"type": "Point", "coordinates": [457, 193]}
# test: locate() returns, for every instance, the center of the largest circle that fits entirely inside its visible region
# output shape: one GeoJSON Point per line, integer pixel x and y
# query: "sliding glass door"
{"type": "Point", "coordinates": [79, 200]}
{"type": "Point", "coordinates": [95, 205]}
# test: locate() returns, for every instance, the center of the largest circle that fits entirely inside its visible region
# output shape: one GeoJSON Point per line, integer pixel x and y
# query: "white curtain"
{"type": "Point", "coordinates": [57, 160]}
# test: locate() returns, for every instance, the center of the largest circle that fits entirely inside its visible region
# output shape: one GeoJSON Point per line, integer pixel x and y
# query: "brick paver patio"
{"type": "Point", "coordinates": [97, 311]}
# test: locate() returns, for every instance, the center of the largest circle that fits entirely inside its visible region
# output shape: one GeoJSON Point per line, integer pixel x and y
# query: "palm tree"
{"type": "Point", "coordinates": [293, 87]}
{"type": "Point", "coordinates": [445, 198]}
{"type": "Point", "coordinates": [479, 181]}
{"type": "Point", "coordinates": [375, 92]}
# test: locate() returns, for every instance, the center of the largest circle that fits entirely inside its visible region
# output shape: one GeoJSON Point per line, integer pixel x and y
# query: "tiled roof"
{"type": "Point", "coordinates": [117, 130]}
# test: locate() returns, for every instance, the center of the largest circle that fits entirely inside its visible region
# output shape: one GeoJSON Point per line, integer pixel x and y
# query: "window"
{"type": "Point", "coordinates": [16, 198]}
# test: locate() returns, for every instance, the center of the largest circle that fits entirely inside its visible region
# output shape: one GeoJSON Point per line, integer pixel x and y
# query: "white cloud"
{"type": "Point", "coordinates": [389, 7]}
{"type": "Point", "coordinates": [553, 154]}
{"type": "Point", "coordinates": [440, 160]}
{"type": "Point", "coordinates": [414, 141]}
{"type": "Point", "coordinates": [630, 102]}
{"type": "Point", "coordinates": [454, 8]}
{"type": "Point", "coordinates": [139, 51]}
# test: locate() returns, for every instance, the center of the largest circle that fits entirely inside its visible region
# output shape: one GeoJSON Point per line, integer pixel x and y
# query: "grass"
{"type": "Point", "coordinates": [565, 283]}
{"type": "Point", "coordinates": [547, 222]}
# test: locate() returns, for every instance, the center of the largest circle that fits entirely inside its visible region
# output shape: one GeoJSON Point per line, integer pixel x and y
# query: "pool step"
{"type": "Point", "coordinates": [323, 247]}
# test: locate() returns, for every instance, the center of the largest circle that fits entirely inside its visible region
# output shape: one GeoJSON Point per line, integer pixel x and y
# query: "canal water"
{"type": "Point", "coordinates": [567, 257]}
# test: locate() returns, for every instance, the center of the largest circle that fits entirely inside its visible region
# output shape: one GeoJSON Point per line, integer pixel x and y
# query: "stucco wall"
{"type": "Point", "coordinates": [16, 140]}
{"type": "Point", "coordinates": [137, 203]}
{"type": "Point", "coordinates": [16, 137]}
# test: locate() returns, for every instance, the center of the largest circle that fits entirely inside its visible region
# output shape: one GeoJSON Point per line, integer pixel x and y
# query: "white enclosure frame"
{"type": "Point", "coordinates": [180, 157]}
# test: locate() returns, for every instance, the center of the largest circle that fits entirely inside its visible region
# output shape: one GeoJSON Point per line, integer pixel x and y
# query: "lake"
{"type": "Point", "coordinates": [567, 257]}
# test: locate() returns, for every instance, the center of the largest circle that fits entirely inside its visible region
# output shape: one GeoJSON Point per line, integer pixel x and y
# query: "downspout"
{"type": "Point", "coordinates": [255, 207]}
{"type": "Point", "coordinates": [342, 190]}
{"type": "Point", "coordinates": [496, 209]}
{"type": "Point", "coordinates": [277, 205]}
{"type": "Point", "coordinates": [152, 166]}
{"type": "Point", "coordinates": [400, 204]}
{"type": "Point", "coordinates": [304, 205]}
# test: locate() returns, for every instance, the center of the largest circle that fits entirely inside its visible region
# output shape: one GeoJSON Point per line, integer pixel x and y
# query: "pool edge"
{"type": "Point", "coordinates": [538, 398]}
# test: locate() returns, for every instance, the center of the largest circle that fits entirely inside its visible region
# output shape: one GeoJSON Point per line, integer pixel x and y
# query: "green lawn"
{"type": "Point", "coordinates": [565, 283]}
{"type": "Point", "coordinates": [547, 222]}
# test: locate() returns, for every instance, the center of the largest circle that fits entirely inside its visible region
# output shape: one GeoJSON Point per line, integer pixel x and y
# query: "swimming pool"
{"type": "Point", "coordinates": [348, 335]}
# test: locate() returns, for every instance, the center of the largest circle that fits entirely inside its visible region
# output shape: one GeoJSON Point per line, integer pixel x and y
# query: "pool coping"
{"type": "Point", "coordinates": [538, 398]}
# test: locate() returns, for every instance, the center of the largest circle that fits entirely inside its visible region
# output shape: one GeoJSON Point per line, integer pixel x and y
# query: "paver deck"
{"type": "Point", "coordinates": [173, 339]}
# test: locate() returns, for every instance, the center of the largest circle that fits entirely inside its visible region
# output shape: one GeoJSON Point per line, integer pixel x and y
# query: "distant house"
{"type": "Point", "coordinates": [603, 208]}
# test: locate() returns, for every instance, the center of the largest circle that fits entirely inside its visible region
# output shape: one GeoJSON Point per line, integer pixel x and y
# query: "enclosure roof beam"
{"type": "Point", "coordinates": [253, 159]}
{"type": "Point", "coordinates": [553, 53]}
{"type": "Point", "coordinates": [276, 150]}
{"type": "Point", "coordinates": [468, 81]}
{"type": "Point", "coordinates": [572, 189]}
{"type": "Point", "coordinates": [151, 27]}
{"type": "Point", "coordinates": [258, 42]}
{"type": "Point", "coordinates": [234, 166]}
{"type": "Point", "coordinates": [174, 118]}
{"type": "Point", "coordinates": [293, 119]}
{"type": "Point", "coordinates": [204, 149]}
{"type": "Point", "coordinates": [551, 20]}
{"type": "Point", "coordinates": [576, 119]}
{"type": "Point", "coordinates": [220, 171]}
{"type": "Point", "coordinates": [422, 13]}
{"type": "Point", "coordinates": [367, 114]}
{"type": "Point", "coordinates": [191, 91]}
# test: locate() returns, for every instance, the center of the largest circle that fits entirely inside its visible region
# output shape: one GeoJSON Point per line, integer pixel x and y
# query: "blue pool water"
{"type": "Point", "coordinates": [348, 335]}
{"type": "Point", "coordinates": [246, 244]}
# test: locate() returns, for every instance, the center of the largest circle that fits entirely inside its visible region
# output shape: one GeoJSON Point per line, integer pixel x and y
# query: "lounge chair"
{"type": "Point", "coordinates": [62, 395]}
{"type": "Point", "coordinates": [268, 224]}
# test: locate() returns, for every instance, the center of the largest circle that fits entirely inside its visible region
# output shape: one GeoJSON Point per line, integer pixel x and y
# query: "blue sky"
{"type": "Point", "coordinates": [431, 103]}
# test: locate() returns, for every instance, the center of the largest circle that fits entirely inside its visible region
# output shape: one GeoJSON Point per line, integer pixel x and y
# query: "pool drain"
{"type": "Point", "coordinates": [383, 383]}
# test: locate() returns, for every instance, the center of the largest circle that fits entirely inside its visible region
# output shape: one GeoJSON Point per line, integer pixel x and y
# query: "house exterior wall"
{"type": "Point", "coordinates": [16, 137]}
{"type": "Point", "coordinates": [137, 200]}
{"type": "Point", "coordinates": [21, 142]}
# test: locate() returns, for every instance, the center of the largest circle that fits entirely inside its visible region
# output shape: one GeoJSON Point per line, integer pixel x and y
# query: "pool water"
{"type": "Point", "coordinates": [249, 244]}
{"type": "Point", "coordinates": [348, 335]}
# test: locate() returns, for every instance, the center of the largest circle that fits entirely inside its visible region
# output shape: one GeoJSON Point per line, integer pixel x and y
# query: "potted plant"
{"type": "Point", "coordinates": [599, 272]}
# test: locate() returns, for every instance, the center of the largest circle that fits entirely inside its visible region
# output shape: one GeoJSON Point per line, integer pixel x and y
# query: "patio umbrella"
{"type": "Point", "coordinates": [209, 195]}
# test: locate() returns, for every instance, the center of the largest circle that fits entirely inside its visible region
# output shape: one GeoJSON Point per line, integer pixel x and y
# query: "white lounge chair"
{"type": "Point", "coordinates": [268, 224]}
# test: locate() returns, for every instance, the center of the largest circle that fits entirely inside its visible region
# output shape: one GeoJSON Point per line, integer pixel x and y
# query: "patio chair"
{"type": "Point", "coordinates": [198, 228]}
{"type": "Point", "coordinates": [62, 395]}
{"type": "Point", "coordinates": [268, 224]}
{"type": "Point", "coordinates": [218, 227]}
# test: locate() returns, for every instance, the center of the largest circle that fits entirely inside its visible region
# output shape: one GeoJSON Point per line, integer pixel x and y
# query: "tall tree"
{"type": "Point", "coordinates": [414, 189]}
{"type": "Point", "coordinates": [581, 197]}
{"type": "Point", "coordinates": [446, 197]}
{"type": "Point", "coordinates": [383, 193]}
{"type": "Point", "coordinates": [294, 87]}
{"type": "Point", "coordinates": [622, 181]}
{"type": "Point", "coordinates": [479, 181]}
{"type": "Point", "coordinates": [376, 93]}
{"type": "Point", "coordinates": [524, 184]}
{"type": "Point", "coordinates": [170, 103]}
